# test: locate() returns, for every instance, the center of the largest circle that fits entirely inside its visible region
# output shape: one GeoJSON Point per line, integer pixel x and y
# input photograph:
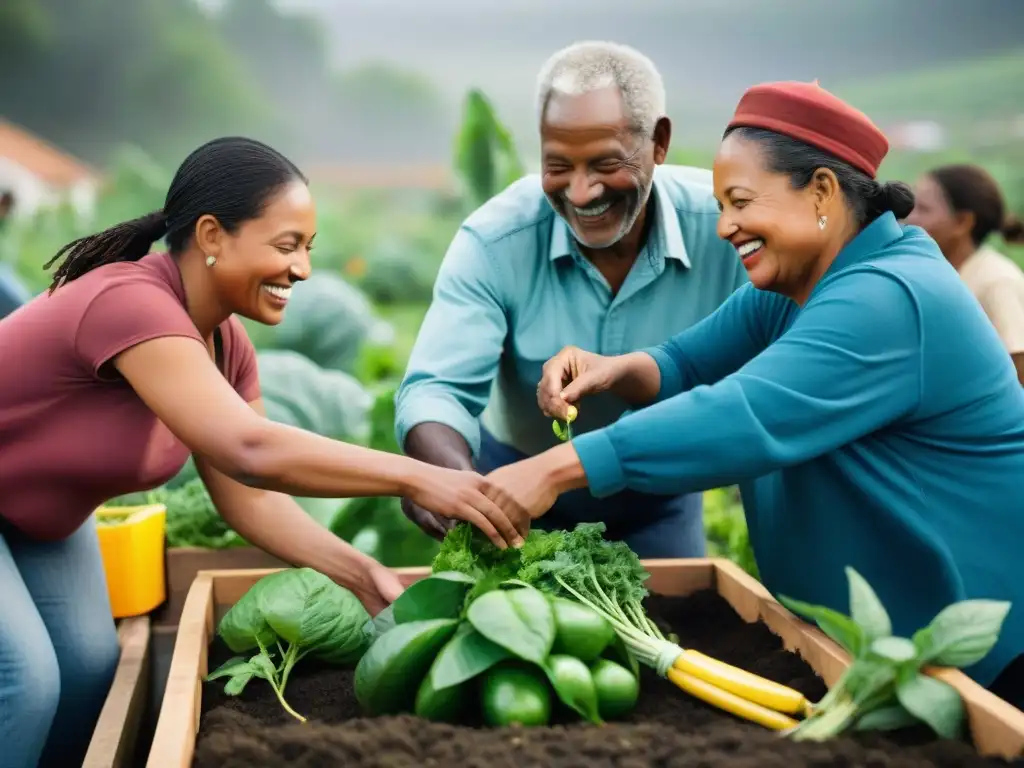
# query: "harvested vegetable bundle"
{"type": "Point", "coordinates": [289, 615]}
{"type": "Point", "coordinates": [608, 578]}
{"type": "Point", "coordinates": [884, 688]}
{"type": "Point", "coordinates": [452, 641]}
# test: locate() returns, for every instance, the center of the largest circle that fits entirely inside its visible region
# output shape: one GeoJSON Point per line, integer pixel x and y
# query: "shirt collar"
{"type": "Point", "coordinates": [869, 241]}
{"type": "Point", "coordinates": [665, 242]}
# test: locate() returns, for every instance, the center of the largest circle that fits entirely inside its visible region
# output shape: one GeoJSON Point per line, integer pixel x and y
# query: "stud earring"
{"type": "Point", "coordinates": [822, 221]}
{"type": "Point", "coordinates": [211, 260]}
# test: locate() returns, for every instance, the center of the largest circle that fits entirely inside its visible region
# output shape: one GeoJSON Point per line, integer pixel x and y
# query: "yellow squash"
{"type": "Point", "coordinates": [730, 702]}
{"type": "Point", "coordinates": [746, 685]}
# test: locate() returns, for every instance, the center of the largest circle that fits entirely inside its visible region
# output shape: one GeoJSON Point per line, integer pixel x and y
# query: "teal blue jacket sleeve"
{"type": "Point", "coordinates": [718, 345]}
{"type": "Point", "coordinates": [849, 365]}
{"type": "Point", "coordinates": [450, 370]}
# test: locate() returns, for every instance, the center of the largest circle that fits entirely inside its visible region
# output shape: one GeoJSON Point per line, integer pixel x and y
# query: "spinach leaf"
{"type": "Point", "coordinates": [840, 628]}
{"type": "Point", "coordinates": [891, 718]}
{"type": "Point", "coordinates": [243, 627]}
{"type": "Point", "coordinates": [962, 634]}
{"type": "Point", "coordinates": [467, 655]}
{"type": "Point", "coordinates": [438, 596]}
{"type": "Point", "coordinates": [520, 620]}
{"type": "Point", "coordinates": [935, 703]}
{"type": "Point", "coordinates": [313, 613]}
{"type": "Point", "coordinates": [866, 609]}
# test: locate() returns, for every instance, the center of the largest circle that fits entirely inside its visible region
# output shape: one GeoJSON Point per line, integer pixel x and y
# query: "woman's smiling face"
{"type": "Point", "coordinates": [773, 226]}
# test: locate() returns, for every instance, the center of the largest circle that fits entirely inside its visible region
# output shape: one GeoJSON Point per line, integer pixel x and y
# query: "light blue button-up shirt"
{"type": "Point", "coordinates": [514, 289]}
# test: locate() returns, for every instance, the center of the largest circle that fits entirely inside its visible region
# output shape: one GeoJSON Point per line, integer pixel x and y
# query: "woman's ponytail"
{"type": "Point", "coordinates": [127, 241]}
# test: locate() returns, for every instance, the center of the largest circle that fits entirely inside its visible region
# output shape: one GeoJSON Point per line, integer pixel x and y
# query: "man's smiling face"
{"type": "Point", "coordinates": [597, 170]}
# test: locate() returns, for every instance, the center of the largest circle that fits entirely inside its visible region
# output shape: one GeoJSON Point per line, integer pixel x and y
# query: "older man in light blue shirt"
{"type": "Point", "coordinates": [609, 250]}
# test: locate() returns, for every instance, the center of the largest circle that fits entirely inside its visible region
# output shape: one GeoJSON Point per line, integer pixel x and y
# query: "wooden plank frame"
{"type": "Point", "coordinates": [996, 727]}
{"type": "Point", "coordinates": [114, 737]}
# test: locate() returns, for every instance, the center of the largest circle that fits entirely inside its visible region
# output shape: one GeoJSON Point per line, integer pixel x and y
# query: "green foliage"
{"type": "Point", "coordinates": [328, 320]}
{"type": "Point", "coordinates": [726, 529]}
{"type": "Point", "coordinates": [289, 615]}
{"type": "Point", "coordinates": [486, 159]}
{"type": "Point", "coordinates": [298, 392]}
{"type": "Point", "coordinates": [885, 688]}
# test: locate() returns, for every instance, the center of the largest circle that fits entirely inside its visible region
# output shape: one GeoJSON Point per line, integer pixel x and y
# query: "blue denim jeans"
{"type": "Point", "coordinates": [58, 647]}
{"type": "Point", "coordinates": [653, 526]}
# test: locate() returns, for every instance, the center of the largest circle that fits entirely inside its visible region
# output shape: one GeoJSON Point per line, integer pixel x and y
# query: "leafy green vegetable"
{"type": "Point", "coordinates": [519, 620]}
{"type": "Point", "coordinates": [290, 614]}
{"type": "Point", "coordinates": [389, 675]}
{"type": "Point", "coordinates": [884, 688]}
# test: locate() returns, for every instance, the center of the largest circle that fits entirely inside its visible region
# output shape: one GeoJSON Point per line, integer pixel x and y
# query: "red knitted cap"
{"type": "Point", "coordinates": [809, 113]}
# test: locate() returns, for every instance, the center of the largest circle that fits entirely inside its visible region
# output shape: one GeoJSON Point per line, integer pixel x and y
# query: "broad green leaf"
{"type": "Point", "coordinates": [840, 628]}
{"type": "Point", "coordinates": [574, 685]}
{"type": "Point", "coordinates": [237, 683]}
{"type": "Point", "coordinates": [891, 718]}
{"type": "Point", "coordinates": [243, 627]}
{"type": "Point", "coordinates": [389, 674]}
{"type": "Point", "coordinates": [262, 667]}
{"type": "Point", "coordinates": [439, 596]}
{"type": "Point", "coordinates": [467, 655]}
{"type": "Point", "coordinates": [933, 702]}
{"type": "Point", "coordinates": [520, 620]}
{"type": "Point", "coordinates": [963, 633]}
{"type": "Point", "coordinates": [230, 667]}
{"type": "Point", "coordinates": [898, 650]}
{"type": "Point", "coordinates": [310, 610]}
{"type": "Point", "coordinates": [866, 609]}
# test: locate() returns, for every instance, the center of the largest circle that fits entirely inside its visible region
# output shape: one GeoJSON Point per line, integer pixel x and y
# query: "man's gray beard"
{"type": "Point", "coordinates": [627, 224]}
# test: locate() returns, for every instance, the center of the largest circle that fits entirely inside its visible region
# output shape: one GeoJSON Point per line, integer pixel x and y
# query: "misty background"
{"type": "Point", "coordinates": [334, 82]}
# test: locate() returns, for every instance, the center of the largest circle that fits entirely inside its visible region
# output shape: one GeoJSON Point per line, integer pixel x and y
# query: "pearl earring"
{"type": "Point", "coordinates": [822, 221]}
{"type": "Point", "coordinates": [211, 260]}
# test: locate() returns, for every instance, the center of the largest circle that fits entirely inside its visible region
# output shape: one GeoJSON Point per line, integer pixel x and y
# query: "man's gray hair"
{"type": "Point", "coordinates": [591, 65]}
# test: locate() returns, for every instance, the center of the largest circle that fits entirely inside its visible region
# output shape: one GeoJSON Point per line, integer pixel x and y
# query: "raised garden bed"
{"type": "Point", "coordinates": [710, 604]}
{"type": "Point", "coordinates": [114, 740]}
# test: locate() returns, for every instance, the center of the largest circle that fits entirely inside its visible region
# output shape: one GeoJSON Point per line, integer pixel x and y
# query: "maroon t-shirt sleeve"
{"type": "Point", "coordinates": [240, 360]}
{"type": "Point", "coordinates": [126, 313]}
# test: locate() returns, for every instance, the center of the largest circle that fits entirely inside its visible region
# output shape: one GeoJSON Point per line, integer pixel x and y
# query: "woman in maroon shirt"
{"type": "Point", "coordinates": [129, 364]}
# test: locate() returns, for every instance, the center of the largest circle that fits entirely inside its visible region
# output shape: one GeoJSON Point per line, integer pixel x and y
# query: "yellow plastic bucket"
{"type": "Point", "coordinates": [132, 545]}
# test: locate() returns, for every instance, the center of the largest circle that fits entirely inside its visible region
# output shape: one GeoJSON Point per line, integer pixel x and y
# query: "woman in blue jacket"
{"type": "Point", "coordinates": [854, 389]}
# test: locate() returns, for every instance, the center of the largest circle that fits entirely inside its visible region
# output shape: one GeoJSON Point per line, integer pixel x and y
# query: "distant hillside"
{"type": "Point", "coordinates": [968, 90]}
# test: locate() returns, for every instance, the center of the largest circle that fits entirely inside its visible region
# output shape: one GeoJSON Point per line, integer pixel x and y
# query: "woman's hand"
{"type": "Point", "coordinates": [574, 373]}
{"type": "Point", "coordinates": [378, 588]}
{"type": "Point", "coordinates": [571, 375]}
{"type": "Point", "coordinates": [537, 482]}
{"type": "Point", "coordinates": [466, 495]}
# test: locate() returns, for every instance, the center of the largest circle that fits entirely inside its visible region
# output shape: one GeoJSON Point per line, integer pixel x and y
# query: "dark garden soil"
{"type": "Point", "coordinates": [668, 728]}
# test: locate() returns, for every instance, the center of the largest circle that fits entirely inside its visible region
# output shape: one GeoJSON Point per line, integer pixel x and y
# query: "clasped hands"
{"type": "Point", "coordinates": [523, 491]}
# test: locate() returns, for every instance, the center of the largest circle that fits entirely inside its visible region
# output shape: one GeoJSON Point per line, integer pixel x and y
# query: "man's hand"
{"type": "Point", "coordinates": [463, 494]}
{"type": "Point", "coordinates": [433, 525]}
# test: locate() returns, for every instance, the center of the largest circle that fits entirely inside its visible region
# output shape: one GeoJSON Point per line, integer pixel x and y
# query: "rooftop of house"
{"type": "Point", "coordinates": [46, 161]}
